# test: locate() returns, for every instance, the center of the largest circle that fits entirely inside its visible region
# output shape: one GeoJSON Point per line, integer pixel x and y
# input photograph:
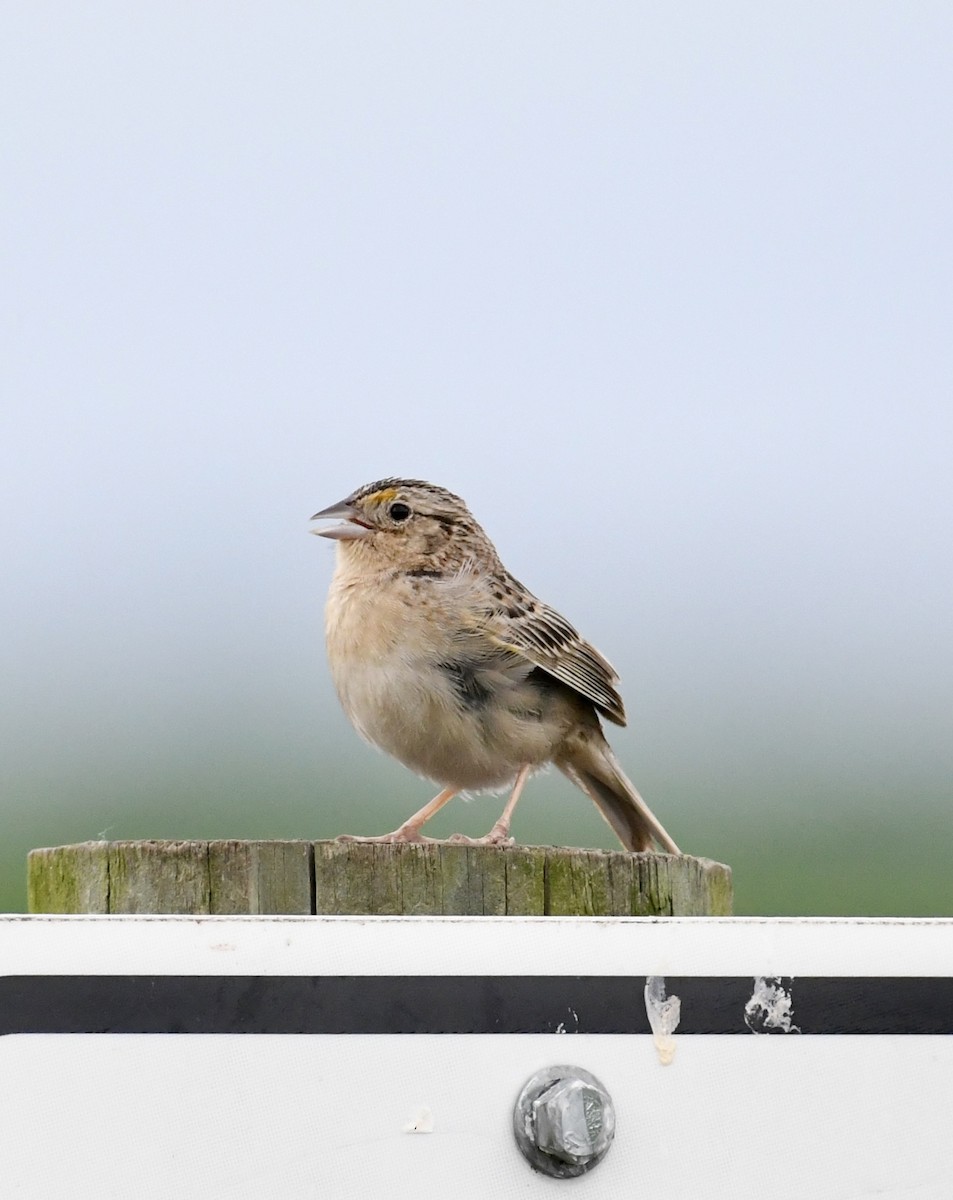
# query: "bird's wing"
{"type": "Point", "coordinates": [517, 621]}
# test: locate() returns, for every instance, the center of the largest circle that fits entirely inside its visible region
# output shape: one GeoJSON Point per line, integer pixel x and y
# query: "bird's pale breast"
{"type": "Point", "coordinates": [447, 705]}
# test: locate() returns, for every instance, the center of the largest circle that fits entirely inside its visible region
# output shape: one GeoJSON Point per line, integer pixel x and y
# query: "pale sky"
{"type": "Point", "coordinates": [664, 291]}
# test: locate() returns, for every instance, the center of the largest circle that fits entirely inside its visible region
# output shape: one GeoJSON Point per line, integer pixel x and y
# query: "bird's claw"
{"type": "Point", "coordinates": [496, 837]}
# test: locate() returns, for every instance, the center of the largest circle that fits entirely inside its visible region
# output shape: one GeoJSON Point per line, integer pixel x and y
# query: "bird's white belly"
{"type": "Point", "coordinates": [409, 711]}
{"type": "Point", "coordinates": [401, 679]}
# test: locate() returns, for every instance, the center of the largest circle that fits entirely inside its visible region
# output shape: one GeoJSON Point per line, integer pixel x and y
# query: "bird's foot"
{"type": "Point", "coordinates": [496, 837]}
{"type": "Point", "coordinates": [404, 835]}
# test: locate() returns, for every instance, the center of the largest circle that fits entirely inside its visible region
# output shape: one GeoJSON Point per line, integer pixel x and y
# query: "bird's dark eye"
{"type": "Point", "coordinates": [399, 511]}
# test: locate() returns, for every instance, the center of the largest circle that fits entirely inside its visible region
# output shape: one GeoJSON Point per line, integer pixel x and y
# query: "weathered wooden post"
{"type": "Point", "coordinates": [368, 878]}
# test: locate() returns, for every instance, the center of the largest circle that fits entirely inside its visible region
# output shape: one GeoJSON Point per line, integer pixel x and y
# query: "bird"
{"type": "Point", "coordinates": [445, 661]}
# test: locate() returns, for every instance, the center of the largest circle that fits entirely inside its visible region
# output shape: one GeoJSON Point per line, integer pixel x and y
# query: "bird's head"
{"type": "Point", "coordinates": [404, 522]}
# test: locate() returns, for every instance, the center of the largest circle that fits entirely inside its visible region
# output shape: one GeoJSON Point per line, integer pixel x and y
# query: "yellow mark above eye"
{"type": "Point", "coordinates": [383, 496]}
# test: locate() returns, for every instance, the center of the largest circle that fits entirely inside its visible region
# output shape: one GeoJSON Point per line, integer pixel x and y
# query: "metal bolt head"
{"type": "Point", "coordinates": [571, 1121]}
{"type": "Point", "coordinates": [564, 1121]}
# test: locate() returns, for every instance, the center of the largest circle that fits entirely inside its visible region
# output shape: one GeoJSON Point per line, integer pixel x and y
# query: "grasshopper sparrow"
{"type": "Point", "coordinates": [445, 661]}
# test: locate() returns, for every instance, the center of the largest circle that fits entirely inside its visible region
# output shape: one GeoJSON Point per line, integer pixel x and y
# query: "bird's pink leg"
{"type": "Point", "coordinates": [410, 830]}
{"type": "Point", "coordinates": [500, 833]}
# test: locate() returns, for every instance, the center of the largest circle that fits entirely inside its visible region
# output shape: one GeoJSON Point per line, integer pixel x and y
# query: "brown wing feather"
{"type": "Point", "coordinates": [526, 625]}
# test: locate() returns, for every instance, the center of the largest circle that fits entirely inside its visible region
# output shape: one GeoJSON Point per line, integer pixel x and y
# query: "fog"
{"type": "Point", "coordinates": [663, 291]}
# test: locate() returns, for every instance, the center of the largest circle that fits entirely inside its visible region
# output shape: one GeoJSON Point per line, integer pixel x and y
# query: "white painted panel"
{"type": "Point", "coordinates": [476, 945]}
{"type": "Point", "coordinates": [788, 1117]}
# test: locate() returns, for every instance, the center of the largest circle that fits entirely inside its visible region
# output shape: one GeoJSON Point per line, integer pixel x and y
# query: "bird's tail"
{"type": "Point", "coordinates": [594, 768]}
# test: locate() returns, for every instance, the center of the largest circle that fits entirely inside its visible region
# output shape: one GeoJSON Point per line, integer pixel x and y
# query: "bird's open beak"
{"type": "Point", "coordinates": [352, 529]}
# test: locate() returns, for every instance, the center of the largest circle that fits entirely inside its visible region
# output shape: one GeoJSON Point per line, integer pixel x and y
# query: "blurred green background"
{"type": "Point", "coordinates": [861, 862]}
{"type": "Point", "coordinates": [797, 845]}
{"type": "Point", "coordinates": [664, 291]}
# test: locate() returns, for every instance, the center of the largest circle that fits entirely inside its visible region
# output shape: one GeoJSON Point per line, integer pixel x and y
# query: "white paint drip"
{"type": "Point", "coordinates": [771, 1006]}
{"type": "Point", "coordinates": [561, 1027]}
{"type": "Point", "coordinates": [664, 1015]}
{"type": "Point", "coordinates": [421, 1121]}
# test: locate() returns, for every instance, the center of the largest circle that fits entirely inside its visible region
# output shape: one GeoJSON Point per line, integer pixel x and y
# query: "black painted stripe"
{"type": "Point", "coordinates": [453, 1004]}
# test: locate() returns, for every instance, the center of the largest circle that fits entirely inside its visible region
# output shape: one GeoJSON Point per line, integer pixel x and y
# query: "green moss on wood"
{"type": "Point", "coordinates": [371, 878]}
